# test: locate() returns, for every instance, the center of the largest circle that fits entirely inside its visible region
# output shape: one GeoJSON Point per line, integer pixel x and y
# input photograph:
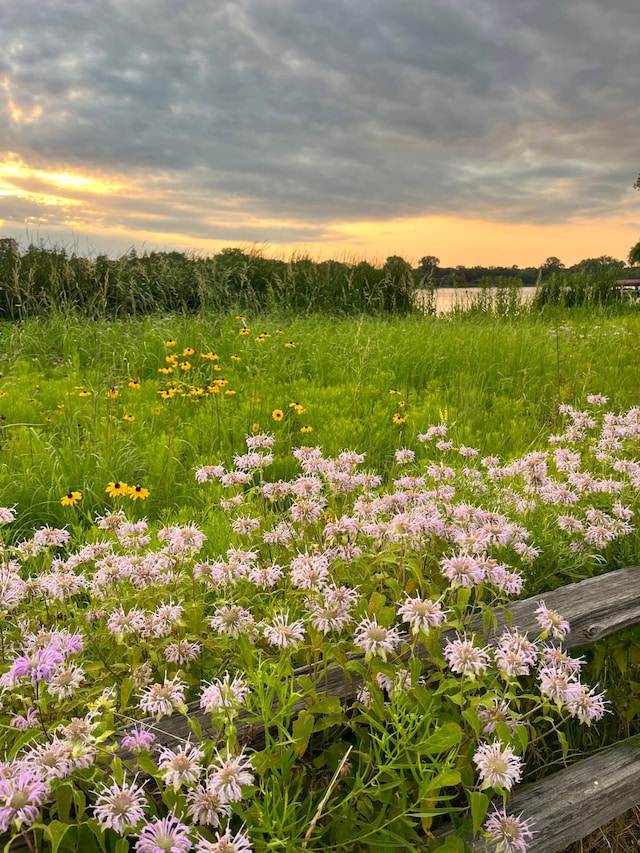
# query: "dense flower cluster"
{"type": "Point", "coordinates": [326, 566]}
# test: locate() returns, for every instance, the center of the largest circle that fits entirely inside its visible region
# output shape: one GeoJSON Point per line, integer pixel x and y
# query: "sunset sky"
{"type": "Point", "coordinates": [480, 131]}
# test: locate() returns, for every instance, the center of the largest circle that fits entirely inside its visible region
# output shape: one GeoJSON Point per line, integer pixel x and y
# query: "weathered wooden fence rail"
{"type": "Point", "coordinates": [564, 806]}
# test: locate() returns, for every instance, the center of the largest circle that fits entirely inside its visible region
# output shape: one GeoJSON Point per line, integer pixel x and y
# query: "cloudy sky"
{"type": "Point", "coordinates": [480, 131]}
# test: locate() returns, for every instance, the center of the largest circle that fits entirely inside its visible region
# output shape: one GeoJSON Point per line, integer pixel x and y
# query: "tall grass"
{"type": "Point", "coordinates": [44, 279]}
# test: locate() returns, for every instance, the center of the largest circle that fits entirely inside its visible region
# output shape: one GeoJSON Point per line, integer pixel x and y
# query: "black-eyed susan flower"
{"type": "Point", "coordinates": [229, 392]}
{"type": "Point", "coordinates": [171, 359]}
{"type": "Point", "coordinates": [241, 318]}
{"type": "Point", "coordinates": [235, 358]}
{"type": "Point", "coordinates": [84, 394]}
{"type": "Point", "coordinates": [255, 427]}
{"type": "Point", "coordinates": [210, 356]}
{"type": "Point", "coordinates": [398, 419]}
{"type": "Point", "coordinates": [165, 370]}
{"type": "Point", "coordinates": [138, 493]}
{"type": "Point", "coordinates": [279, 332]}
{"type": "Point", "coordinates": [170, 343]}
{"type": "Point", "coordinates": [213, 389]}
{"type": "Point", "coordinates": [185, 365]}
{"type": "Point", "coordinates": [71, 498]}
{"type": "Point", "coordinates": [245, 330]}
{"type": "Point", "coordinates": [116, 489]}
{"type": "Point", "coordinates": [290, 345]}
{"type": "Point", "coordinates": [305, 429]}
{"type": "Point", "coordinates": [401, 404]}
{"type": "Point", "coordinates": [221, 382]}
{"type": "Point", "coordinates": [277, 414]}
{"type": "Point", "coordinates": [133, 383]}
{"type": "Point", "coordinates": [129, 418]}
{"type": "Point", "coordinates": [188, 351]}
{"type": "Point", "coordinates": [217, 368]}
{"type": "Point", "coordinates": [112, 393]}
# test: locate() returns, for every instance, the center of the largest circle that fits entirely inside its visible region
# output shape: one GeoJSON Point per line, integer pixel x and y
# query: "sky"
{"type": "Point", "coordinates": [490, 132]}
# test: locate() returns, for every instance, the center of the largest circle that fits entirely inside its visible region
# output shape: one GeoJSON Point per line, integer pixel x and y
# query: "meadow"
{"type": "Point", "coordinates": [197, 504]}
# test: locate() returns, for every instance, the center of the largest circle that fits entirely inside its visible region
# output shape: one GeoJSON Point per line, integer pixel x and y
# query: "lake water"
{"type": "Point", "coordinates": [463, 298]}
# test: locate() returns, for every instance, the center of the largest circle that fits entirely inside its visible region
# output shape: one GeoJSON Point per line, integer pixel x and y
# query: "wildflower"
{"type": "Point", "coordinates": [138, 493]}
{"type": "Point", "coordinates": [398, 419]}
{"type": "Point", "coordinates": [206, 806]}
{"type": "Point", "coordinates": [129, 418]}
{"type": "Point", "coordinates": [71, 498]}
{"type": "Point", "coordinates": [7, 515]}
{"type": "Point", "coordinates": [161, 700]}
{"type": "Point", "coordinates": [185, 365]}
{"type": "Point", "coordinates": [585, 703]}
{"type": "Point", "coordinates": [225, 843]}
{"type": "Point", "coordinates": [551, 622]}
{"type": "Point", "coordinates": [116, 489]}
{"type": "Point", "coordinates": [170, 343]}
{"type": "Point", "coordinates": [64, 682]}
{"type": "Point", "coordinates": [283, 633]}
{"type": "Point", "coordinates": [120, 807]}
{"type": "Point", "coordinates": [421, 614]}
{"type": "Point", "coordinates": [463, 570]}
{"type": "Point", "coordinates": [189, 351]}
{"type": "Point", "coordinates": [244, 331]}
{"type": "Point", "coordinates": [404, 455]}
{"type": "Point", "coordinates": [84, 394]}
{"type": "Point", "coordinates": [133, 383]}
{"type": "Point", "coordinates": [182, 652]}
{"type": "Point", "coordinates": [290, 345]}
{"type": "Point", "coordinates": [232, 620]}
{"type": "Point", "coordinates": [465, 658]}
{"type": "Point", "coordinates": [491, 715]}
{"type": "Point", "coordinates": [181, 767]}
{"type": "Point", "coordinates": [375, 640]}
{"type": "Point", "coordinates": [515, 654]}
{"type": "Point", "coordinates": [507, 833]}
{"type": "Point", "coordinates": [306, 429]}
{"type": "Point", "coordinates": [228, 774]}
{"type": "Point", "coordinates": [21, 796]}
{"type": "Point", "coordinates": [51, 760]}
{"type": "Point", "coordinates": [168, 835]}
{"type": "Point", "coordinates": [225, 693]}
{"type": "Point", "coordinates": [277, 414]}
{"type": "Point", "coordinates": [112, 393]}
{"type": "Point", "coordinates": [498, 765]}
{"type": "Point", "coordinates": [235, 358]}
{"type": "Point", "coordinates": [138, 740]}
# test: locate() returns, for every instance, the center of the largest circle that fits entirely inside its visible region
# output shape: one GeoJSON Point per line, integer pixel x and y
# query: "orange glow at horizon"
{"type": "Point", "coordinates": [75, 200]}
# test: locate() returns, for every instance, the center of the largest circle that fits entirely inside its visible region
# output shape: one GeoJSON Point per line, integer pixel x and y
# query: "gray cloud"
{"type": "Point", "coordinates": [296, 110]}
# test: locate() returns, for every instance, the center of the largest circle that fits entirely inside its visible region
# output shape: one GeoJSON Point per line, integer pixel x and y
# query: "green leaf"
{"type": "Point", "coordinates": [302, 730]}
{"type": "Point", "coordinates": [479, 804]}
{"type": "Point", "coordinates": [122, 846]}
{"type": "Point", "coordinates": [443, 739]}
{"type": "Point", "coordinates": [116, 770]}
{"type": "Point", "coordinates": [328, 705]}
{"type": "Point", "coordinates": [564, 745]}
{"type": "Point", "coordinates": [196, 728]}
{"type": "Point", "coordinates": [64, 798]}
{"type": "Point", "coordinates": [126, 689]}
{"type": "Point", "coordinates": [55, 832]}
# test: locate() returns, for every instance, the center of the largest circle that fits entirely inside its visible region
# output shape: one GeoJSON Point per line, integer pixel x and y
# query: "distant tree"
{"type": "Point", "coordinates": [553, 263]}
{"type": "Point", "coordinates": [634, 255]}
{"type": "Point", "coordinates": [427, 266]}
{"type": "Point", "coordinates": [595, 265]}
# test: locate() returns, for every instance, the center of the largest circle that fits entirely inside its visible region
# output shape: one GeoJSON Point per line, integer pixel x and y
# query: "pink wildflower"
{"type": "Point", "coordinates": [168, 835]}
{"type": "Point", "coordinates": [498, 765]}
{"type": "Point", "coordinates": [507, 833]}
{"type": "Point", "coordinates": [120, 807]}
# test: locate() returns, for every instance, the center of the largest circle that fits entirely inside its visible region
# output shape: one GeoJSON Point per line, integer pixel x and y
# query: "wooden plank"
{"type": "Point", "coordinates": [595, 607]}
{"type": "Point", "coordinates": [574, 802]}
